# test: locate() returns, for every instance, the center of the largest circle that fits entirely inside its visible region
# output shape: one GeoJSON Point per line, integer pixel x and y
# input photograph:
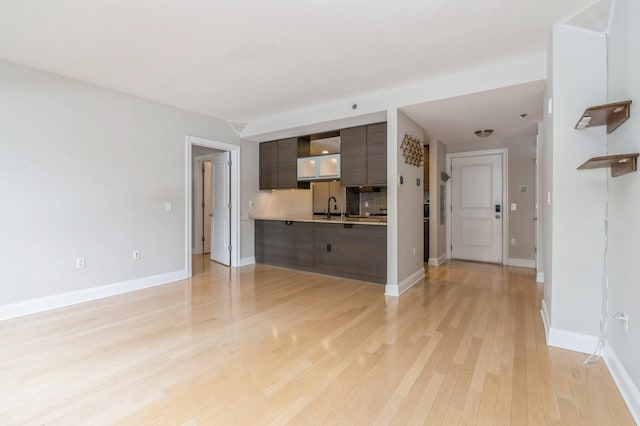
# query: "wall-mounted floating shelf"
{"type": "Point", "coordinates": [613, 115]}
{"type": "Point", "coordinates": [620, 164]}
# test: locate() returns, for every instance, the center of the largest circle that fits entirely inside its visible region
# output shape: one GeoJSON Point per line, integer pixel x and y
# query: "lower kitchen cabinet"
{"type": "Point", "coordinates": [284, 243]}
{"type": "Point", "coordinates": [346, 250]}
{"type": "Point", "coordinates": [355, 250]}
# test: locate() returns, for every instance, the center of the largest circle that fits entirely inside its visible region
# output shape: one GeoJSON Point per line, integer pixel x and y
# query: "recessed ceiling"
{"type": "Point", "coordinates": [454, 120]}
{"type": "Point", "coordinates": [242, 60]}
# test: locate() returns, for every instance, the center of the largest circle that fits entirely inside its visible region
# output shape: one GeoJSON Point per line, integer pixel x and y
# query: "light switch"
{"type": "Point", "coordinates": [168, 206]}
{"type": "Point", "coordinates": [513, 207]}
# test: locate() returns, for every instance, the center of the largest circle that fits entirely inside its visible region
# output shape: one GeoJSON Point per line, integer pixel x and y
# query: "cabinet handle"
{"type": "Point", "coordinates": [348, 225]}
{"type": "Point", "coordinates": [288, 222]}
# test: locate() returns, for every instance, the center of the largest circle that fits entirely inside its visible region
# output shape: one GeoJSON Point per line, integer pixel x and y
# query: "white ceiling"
{"type": "Point", "coordinates": [454, 120]}
{"type": "Point", "coordinates": [246, 59]}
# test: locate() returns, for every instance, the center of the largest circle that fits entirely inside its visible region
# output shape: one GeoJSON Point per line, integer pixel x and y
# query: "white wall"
{"type": "Point", "coordinates": [624, 203]}
{"type": "Point", "coordinates": [577, 217]}
{"type": "Point", "coordinates": [545, 167]}
{"type": "Point", "coordinates": [437, 231]}
{"type": "Point", "coordinates": [410, 201]}
{"type": "Point", "coordinates": [522, 154]}
{"type": "Point", "coordinates": [85, 172]}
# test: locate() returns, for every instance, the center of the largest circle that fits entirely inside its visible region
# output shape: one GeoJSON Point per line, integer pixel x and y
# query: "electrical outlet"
{"type": "Point", "coordinates": [366, 204]}
{"type": "Point", "coordinates": [513, 241]}
{"type": "Point", "coordinates": [136, 255]}
{"type": "Point", "coordinates": [168, 206]}
{"type": "Point", "coordinates": [514, 207]}
{"type": "Point", "coordinates": [624, 317]}
{"type": "Point", "coordinates": [81, 263]}
{"type": "Point", "coordinates": [414, 251]}
{"type": "Point", "coordinates": [250, 204]}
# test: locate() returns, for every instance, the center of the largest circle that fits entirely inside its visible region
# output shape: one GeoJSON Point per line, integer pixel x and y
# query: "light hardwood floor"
{"type": "Point", "coordinates": [263, 345]}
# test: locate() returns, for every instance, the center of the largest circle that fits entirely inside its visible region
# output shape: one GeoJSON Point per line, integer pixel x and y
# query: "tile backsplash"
{"type": "Point", "coordinates": [373, 202]}
{"type": "Point", "coordinates": [367, 201]}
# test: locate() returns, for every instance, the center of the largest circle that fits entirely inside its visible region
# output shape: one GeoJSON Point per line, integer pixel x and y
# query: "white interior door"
{"type": "Point", "coordinates": [477, 210]}
{"type": "Point", "coordinates": [220, 209]}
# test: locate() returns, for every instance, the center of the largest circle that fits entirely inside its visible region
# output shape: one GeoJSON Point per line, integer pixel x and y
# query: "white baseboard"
{"type": "Point", "coordinates": [404, 285]}
{"type": "Point", "coordinates": [437, 261]}
{"type": "Point", "coordinates": [627, 388]}
{"type": "Point", "coordinates": [540, 277]}
{"type": "Point", "coordinates": [247, 261]}
{"type": "Point", "coordinates": [47, 303]}
{"type": "Point", "coordinates": [521, 263]}
{"type": "Point", "coordinates": [572, 341]}
{"type": "Point", "coordinates": [565, 339]}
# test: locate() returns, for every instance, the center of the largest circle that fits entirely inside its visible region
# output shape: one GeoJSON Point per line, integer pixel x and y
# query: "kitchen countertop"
{"type": "Point", "coordinates": [323, 219]}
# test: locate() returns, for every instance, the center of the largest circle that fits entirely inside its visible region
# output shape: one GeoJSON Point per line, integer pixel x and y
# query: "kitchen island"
{"type": "Point", "coordinates": [347, 247]}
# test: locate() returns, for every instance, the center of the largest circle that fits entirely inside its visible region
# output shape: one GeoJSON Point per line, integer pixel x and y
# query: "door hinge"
{"type": "Point", "coordinates": [202, 205]}
{"type": "Point", "coordinates": [229, 163]}
{"type": "Point", "coordinates": [202, 239]}
{"type": "Point", "coordinates": [451, 248]}
{"type": "Point", "coordinates": [451, 207]}
{"type": "Point", "coordinates": [229, 205]}
{"type": "Point", "coordinates": [229, 247]}
{"type": "Point", "coordinates": [203, 168]}
{"type": "Point", "coordinates": [535, 249]}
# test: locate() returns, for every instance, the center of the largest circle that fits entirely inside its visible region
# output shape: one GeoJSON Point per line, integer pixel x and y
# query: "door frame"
{"type": "Point", "coordinates": [504, 153]}
{"type": "Point", "coordinates": [234, 153]}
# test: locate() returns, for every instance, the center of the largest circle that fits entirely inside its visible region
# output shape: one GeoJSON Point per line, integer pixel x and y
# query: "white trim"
{"type": "Point", "coordinates": [397, 289]}
{"type": "Point", "coordinates": [247, 261]}
{"type": "Point", "coordinates": [522, 263]}
{"type": "Point", "coordinates": [56, 301]}
{"type": "Point", "coordinates": [627, 388]}
{"type": "Point", "coordinates": [566, 339]}
{"type": "Point", "coordinates": [540, 277]}
{"type": "Point", "coordinates": [546, 320]}
{"type": "Point", "coordinates": [571, 340]}
{"type": "Point", "coordinates": [504, 152]}
{"type": "Point", "coordinates": [234, 151]}
{"type": "Point", "coordinates": [437, 261]}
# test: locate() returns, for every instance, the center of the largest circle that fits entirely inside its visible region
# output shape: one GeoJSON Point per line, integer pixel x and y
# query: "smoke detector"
{"type": "Point", "coordinates": [483, 133]}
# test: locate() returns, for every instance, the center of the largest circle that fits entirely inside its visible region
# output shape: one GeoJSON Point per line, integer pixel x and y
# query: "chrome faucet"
{"type": "Point", "coordinates": [329, 205]}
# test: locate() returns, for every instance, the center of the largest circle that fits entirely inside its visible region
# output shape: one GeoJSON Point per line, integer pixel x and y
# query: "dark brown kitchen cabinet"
{"type": "Point", "coordinates": [355, 251]}
{"type": "Point", "coordinates": [269, 165]}
{"type": "Point", "coordinates": [279, 162]}
{"type": "Point", "coordinates": [284, 243]}
{"type": "Point", "coordinates": [363, 152]}
{"type": "Point", "coordinates": [353, 156]}
{"type": "Point", "coordinates": [344, 250]}
{"type": "Point", "coordinates": [377, 154]}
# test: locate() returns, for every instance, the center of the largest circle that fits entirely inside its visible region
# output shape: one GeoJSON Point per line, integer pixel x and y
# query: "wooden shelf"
{"type": "Point", "coordinates": [613, 115]}
{"type": "Point", "coordinates": [620, 164]}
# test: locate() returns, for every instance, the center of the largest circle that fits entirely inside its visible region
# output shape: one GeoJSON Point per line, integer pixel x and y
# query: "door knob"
{"type": "Point", "coordinates": [497, 216]}
{"type": "Point", "coordinates": [210, 214]}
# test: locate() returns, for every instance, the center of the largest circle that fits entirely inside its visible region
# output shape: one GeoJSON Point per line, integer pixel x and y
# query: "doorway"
{"type": "Point", "coordinates": [227, 233]}
{"type": "Point", "coordinates": [477, 196]}
{"type": "Point", "coordinates": [202, 205]}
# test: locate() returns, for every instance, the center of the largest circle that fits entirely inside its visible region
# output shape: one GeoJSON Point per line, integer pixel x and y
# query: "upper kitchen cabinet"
{"type": "Point", "coordinates": [364, 155]}
{"type": "Point", "coordinates": [377, 154]}
{"type": "Point", "coordinates": [279, 162]}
